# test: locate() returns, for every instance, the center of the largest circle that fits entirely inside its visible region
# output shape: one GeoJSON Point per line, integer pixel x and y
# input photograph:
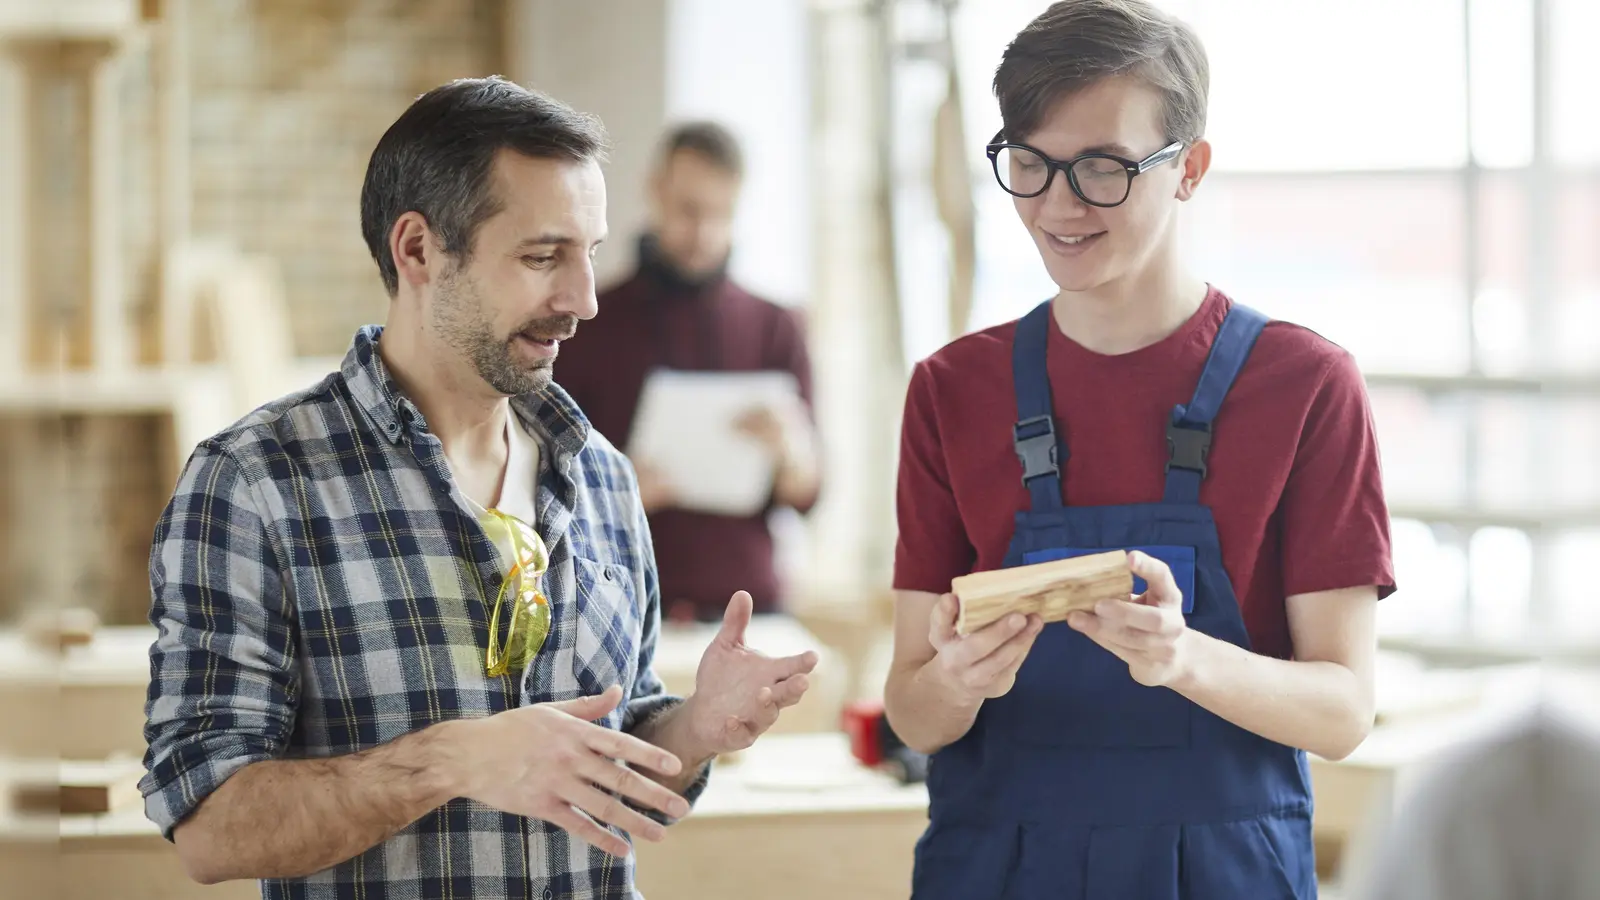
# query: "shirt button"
{"type": "Point", "coordinates": [547, 894]}
{"type": "Point", "coordinates": [609, 576]}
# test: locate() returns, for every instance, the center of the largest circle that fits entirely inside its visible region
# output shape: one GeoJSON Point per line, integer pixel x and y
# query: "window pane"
{"type": "Point", "coordinates": [1282, 100]}
{"type": "Point", "coordinates": [1574, 76]}
{"type": "Point", "coordinates": [1423, 445]}
{"type": "Point", "coordinates": [1577, 313]}
{"type": "Point", "coordinates": [1500, 308]}
{"type": "Point", "coordinates": [1576, 613]}
{"type": "Point", "coordinates": [1430, 568]}
{"type": "Point", "coordinates": [1010, 278]}
{"type": "Point", "coordinates": [1570, 457]}
{"type": "Point", "coordinates": [1371, 262]}
{"type": "Point", "coordinates": [1500, 562]}
{"type": "Point", "coordinates": [1502, 81]}
{"type": "Point", "coordinates": [1507, 428]}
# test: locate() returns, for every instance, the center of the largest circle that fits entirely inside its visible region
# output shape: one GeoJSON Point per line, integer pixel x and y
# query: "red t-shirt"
{"type": "Point", "coordinates": [1294, 482]}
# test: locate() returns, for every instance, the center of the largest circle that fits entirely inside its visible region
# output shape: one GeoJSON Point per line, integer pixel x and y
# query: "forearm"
{"type": "Point", "coordinates": [1321, 707]}
{"type": "Point", "coordinates": [290, 818]}
{"type": "Point", "coordinates": [670, 731]}
{"type": "Point", "coordinates": [926, 713]}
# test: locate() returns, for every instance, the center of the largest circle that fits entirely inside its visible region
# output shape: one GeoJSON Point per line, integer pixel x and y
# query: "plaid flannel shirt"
{"type": "Point", "coordinates": [321, 587]}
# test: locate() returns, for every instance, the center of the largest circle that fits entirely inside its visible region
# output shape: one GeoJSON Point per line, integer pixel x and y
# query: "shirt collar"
{"type": "Point", "coordinates": [550, 412]}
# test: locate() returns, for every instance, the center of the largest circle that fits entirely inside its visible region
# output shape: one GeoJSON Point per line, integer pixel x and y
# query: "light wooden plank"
{"type": "Point", "coordinates": [1050, 590]}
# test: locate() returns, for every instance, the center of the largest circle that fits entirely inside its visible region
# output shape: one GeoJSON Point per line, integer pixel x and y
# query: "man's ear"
{"type": "Point", "coordinates": [1196, 162]}
{"type": "Point", "coordinates": [412, 247]}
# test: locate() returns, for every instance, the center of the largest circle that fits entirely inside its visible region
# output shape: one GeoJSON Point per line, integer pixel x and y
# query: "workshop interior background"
{"type": "Point", "coordinates": [1417, 181]}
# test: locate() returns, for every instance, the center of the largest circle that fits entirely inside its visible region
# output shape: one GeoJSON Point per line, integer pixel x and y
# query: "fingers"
{"type": "Point", "coordinates": [610, 810]}
{"type": "Point", "coordinates": [736, 618]}
{"type": "Point", "coordinates": [630, 784]}
{"type": "Point", "coordinates": [1008, 657]}
{"type": "Point", "coordinates": [789, 691]}
{"type": "Point", "coordinates": [584, 828]}
{"type": "Point", "coordinates": [981, 643]}
{"type": "Point", "coordinates": [942, 622]}
{"type": "Point", "coordinates": [1120, 639]}
{"type": "Point", "coordinates": [593, 707]}
{"type": "Point", "coordinates": [631, 750]}
{"type": "Point", "coordinates": [1163, 590]}
{"type": "Point", "coordinates": [1135, 616]}
{"type": "Point", "coordinates": [790, 666]}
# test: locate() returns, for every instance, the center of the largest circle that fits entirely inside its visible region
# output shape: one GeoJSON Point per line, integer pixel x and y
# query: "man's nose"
{"type": "Point", "coordinates": [576, 293]}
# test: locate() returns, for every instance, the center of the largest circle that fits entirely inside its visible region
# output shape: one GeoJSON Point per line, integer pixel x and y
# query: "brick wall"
{"type": "Point", "coordinates": [288, 99]}
{"type": "Point", "coordinates": [79, 497]}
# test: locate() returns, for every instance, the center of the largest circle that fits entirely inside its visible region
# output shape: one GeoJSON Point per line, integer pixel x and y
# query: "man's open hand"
{"type": "Point", "coordinates": [550, 761]}
{"type": "Point", "coordinates": [738, 692]}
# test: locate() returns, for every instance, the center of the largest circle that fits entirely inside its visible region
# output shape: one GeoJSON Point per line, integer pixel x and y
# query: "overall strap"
{"type": "Point", "coordinates": [1189, 431]}
{"type": "Point", "coordinates": [1034, 435]}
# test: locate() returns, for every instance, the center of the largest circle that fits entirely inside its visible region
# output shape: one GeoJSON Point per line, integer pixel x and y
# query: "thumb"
{"type": "Point", "coordinates": [737, 618]}
{"type": "Point", "coordinates": [1160, 587]}
{"type": "Point", "coordinates": [946, 613]}
{"type": "Point", "coordinates": [593, 706]}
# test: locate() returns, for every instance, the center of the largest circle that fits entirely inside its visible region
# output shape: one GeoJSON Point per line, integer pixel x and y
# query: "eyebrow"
{"type": "Point", "coordinates": [1113, 149]}
{"type": "Point", "coordinates": [551, 240]}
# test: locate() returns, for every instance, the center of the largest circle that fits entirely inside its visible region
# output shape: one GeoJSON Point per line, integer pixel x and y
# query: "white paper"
{"type": "Point", "coordinates": [684, 428]}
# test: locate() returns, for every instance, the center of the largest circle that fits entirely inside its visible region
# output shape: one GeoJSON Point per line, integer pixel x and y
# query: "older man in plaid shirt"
{"type": "Point", "coordinates": [407, 616]}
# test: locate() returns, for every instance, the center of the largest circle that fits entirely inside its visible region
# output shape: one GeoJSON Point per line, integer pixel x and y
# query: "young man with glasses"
{"type": "Point", "coordinates": [407, 616]}
{"type": "Point", "coordinates": [1156, 746]}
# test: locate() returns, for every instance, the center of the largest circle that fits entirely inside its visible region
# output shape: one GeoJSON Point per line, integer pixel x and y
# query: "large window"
{"type": "Point", "coordinates": [1419, 182]}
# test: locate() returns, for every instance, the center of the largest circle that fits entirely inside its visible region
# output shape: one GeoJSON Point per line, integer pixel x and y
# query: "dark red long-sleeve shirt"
{"type": "Point", "coordinates": [654, 319]}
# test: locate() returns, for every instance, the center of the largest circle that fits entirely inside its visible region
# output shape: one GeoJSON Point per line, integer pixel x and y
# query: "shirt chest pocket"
{"type": "Point", "coordinates": [607, 627]}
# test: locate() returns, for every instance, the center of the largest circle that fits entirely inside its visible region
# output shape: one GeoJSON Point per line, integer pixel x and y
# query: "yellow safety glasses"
{"type": "Point", "coordinates": [528, 620]}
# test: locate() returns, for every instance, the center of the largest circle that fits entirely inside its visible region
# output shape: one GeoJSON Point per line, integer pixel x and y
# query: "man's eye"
{"type": "Point", "coordinates": [537, 262]}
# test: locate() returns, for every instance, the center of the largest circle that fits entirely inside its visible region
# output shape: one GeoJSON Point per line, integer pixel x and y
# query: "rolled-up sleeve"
{"type": "Point", "coordinates": [222, 668]}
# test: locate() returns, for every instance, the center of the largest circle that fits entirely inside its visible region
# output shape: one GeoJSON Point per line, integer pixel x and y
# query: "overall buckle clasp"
{"type": "Point", "coordinates": [1037, 447]}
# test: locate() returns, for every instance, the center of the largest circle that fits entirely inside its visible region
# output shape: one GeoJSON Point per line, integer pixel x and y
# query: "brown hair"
{"type": "Point", "coordinates": [1075, 43]}
{"type": "Point", "coordinates": [712, 141]}
{"type": "Point", "coordinates": [437, 159]}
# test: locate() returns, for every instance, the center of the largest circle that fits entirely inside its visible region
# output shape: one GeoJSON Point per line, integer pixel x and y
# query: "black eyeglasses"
{"type": "Point", "coordinates": [1099, 179]}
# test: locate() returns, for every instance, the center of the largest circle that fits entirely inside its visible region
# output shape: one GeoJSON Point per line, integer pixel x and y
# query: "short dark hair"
{"type": "Point", "coordinates": [438, 157]}
{"type": "Point", "coordinates": [1075, 43]}
{"type": "Point", "coordinates": [709, 139]}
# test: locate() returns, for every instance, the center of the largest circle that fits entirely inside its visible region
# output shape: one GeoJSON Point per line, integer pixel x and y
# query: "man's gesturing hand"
{"type": "Point", "coordinates": [984, 663]}
{"type": "Point", "coordinates": [739, 691]}
{"type": "Point", "coordinates": [551, 762]}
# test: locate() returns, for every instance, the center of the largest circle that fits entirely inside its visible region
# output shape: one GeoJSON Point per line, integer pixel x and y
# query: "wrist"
{"type": "Point", "coordinates": [446, 753]}
{"type": "Point", "coordinates": [1190, 667]}
{"type": "Point", "coordinates": [684, 735]}
{"type": "Point", "coordinates": [949, 687]}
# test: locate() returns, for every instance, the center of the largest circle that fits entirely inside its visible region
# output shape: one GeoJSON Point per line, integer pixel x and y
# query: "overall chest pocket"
{"type": "Point", "coordinates": [608, 627]}
{"type": "Point", "coordinates": [1075, 693]}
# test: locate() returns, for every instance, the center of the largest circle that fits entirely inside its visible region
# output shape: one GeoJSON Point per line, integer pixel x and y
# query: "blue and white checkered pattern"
{"type": "Point", "coordinates": [321, 587]}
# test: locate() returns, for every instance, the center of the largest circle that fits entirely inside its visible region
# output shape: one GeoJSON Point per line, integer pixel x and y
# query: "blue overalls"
{"type": "Point", "coordinates": [1080, 783]}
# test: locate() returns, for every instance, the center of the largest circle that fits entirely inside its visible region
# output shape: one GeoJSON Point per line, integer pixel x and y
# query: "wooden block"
{"type": "Point", "coordinates": [1051, 589]}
